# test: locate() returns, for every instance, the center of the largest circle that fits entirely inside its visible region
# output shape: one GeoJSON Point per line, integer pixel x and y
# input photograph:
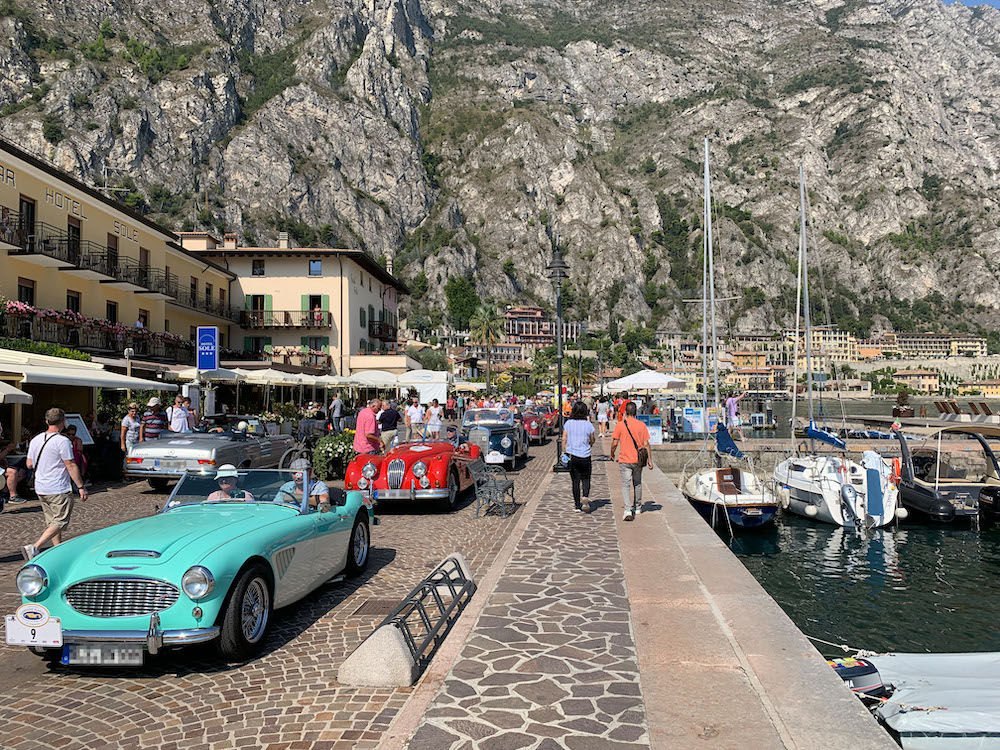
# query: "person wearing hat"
{"type": "Point", "coordinates": [291, 492]}
{"type": "Point", "coordinates": [154, 421]}
{"type": "Point", "coordinates": [228, 479]}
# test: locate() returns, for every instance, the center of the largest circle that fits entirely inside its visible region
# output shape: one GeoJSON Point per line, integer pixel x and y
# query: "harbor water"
{"type": "Point", "coordinates": [917, 588]}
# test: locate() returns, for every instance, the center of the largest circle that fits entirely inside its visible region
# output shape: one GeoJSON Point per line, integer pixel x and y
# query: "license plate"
{"type": "Point", "coordinates": [156, 463]}
{"type": "Point", "coordinates": [19, 634]}
{"type": "Point", "coordinates": [103, 654]}
{"type": "Point", "coordinates": [753, 511]}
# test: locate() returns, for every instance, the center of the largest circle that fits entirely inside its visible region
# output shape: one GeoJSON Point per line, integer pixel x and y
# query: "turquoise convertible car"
{"type": "Point", "coordinates": [212, 565]}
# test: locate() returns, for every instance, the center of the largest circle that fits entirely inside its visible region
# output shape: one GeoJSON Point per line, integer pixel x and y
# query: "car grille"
{"type": "Point", "coordinates": [397, 467]}
{"type": "Point", "coordinates": [121, 597]}
{"type": "Point", "coordinates": [481, 437]}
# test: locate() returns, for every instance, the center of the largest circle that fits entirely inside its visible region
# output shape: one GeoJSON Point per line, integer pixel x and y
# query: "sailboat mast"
{"type": "Point", "coordinates": [805, 286]}
{"type": "Point", "coordinates": [711, 277]}
{"type": "Point", "coordinates": [795, 345]}
{"type": "Point", "coordinates": [706, 228]}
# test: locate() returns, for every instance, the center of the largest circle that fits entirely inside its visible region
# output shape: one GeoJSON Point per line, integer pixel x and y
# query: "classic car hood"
{"type": "Point", "coordinates": [419, 451]}
{"type": "Point", "coordinates": [159, 539]}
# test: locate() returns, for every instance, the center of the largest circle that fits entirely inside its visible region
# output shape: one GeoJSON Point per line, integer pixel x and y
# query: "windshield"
{"type": "Point", "coordinates": [423, 433]}
{"type": "Point", "coordinates": [488, 416]}
{"type": "Point", "coordinates": [247, 486]}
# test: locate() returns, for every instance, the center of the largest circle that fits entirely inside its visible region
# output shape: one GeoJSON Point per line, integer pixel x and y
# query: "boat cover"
{"type": "Point", "coordinates": [812, 431]}
{"type": "Point", "coordinates": [724, 442]}
{"type": "Point", "coordinates": [942, 700]}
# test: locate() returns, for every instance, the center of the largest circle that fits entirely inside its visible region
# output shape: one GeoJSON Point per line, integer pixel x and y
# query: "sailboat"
{"type": "Point", "coordinates": [830, 488]}
{"type": "Point", "coordinates": [730, 496]}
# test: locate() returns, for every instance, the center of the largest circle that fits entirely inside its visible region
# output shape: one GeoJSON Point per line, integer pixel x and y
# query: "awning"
{"type": "Point", "coordinates": [11, 395]}
{"type": "Point", "coordinates": [372, 378]}
{"type": "Point", "coordinates": [90, 377]}
{"type": "Point", "coordinates": [219, 374]}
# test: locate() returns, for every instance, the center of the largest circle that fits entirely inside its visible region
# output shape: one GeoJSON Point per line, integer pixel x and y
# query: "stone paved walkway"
{"type": "Point", "coordinates": [551, 663]}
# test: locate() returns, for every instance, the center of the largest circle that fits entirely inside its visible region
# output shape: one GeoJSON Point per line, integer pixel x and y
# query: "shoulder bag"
{"type": "Point", "coordinates": [642, 453]}
{"type": "Point", "coordinates": [34, 469]}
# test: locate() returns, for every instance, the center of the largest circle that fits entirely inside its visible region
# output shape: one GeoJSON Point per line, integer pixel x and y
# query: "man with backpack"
{"type": "Point", "coordinates": [633, 437]}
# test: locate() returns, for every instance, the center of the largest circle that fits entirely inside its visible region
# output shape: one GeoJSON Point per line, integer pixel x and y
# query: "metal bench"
{"type": "Point", "coordinates": [494, 489]}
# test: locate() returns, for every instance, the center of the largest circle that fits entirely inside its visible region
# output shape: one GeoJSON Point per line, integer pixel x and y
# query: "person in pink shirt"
{"type": "Point", "coordinates": [366, 437]}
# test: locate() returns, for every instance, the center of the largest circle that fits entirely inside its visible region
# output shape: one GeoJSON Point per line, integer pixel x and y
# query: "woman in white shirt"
{"type": "Point", "coordinates": [433, 417]}
{"type": "Point", "coordinates": [602, 415]}
{"type": "Point", "coordinates": [578, 436]}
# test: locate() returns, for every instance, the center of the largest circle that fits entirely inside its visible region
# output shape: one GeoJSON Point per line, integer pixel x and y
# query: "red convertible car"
{"type": "Point", "coordinates": [536, 426]}
{"type": "Point", "coordinates": [549, 413]}
{"type": "Point", "coordinates": [422, 467]}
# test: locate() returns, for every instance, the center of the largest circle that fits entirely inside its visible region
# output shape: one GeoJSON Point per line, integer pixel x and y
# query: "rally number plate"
{"type": "Point", "coordinates": [47, 635]}
{"type": "Point", "coordinates": [102, 654]}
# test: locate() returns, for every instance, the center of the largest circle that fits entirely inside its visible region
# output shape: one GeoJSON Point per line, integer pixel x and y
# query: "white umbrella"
{"type": "Point", "coordinates": [375, 379]}
{"type": "Point", "coordinates": [272, 377]}
{"type": "Point", "coordinates": [219, 374]}
{"type": "Point", "coordinates": [11, 395]}
{"type": "Point", "coordinates": [645, 380]}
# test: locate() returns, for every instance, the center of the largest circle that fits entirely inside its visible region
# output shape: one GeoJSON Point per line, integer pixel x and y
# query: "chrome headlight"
{"type": "Point", "coordinates": [368, 470]}
{"type": "Point", "coordinates": [362, 484]}
{"type": "Point", "coordinates": [31, 580]}
{"type": "Point", "coordinates": [419, 469]}
{"type": "Point", "coordinates": [197, 582]}
{"type": "Point", "coordinates": [506, 442]}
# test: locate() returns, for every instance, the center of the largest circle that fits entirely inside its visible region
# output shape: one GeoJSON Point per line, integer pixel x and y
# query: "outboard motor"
{"type": "Point", "coordinates": [989, 504]}
{"type": "Point", "coordinates": [849, 500]}
{"type": "Point", "coordinates": [860, 676]}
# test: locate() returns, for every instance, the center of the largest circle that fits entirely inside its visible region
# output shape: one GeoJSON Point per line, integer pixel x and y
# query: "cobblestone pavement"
{"type": "Point", "coordinates": [551, 663]}
{"type": "Point", "coordinates": [287, 698]}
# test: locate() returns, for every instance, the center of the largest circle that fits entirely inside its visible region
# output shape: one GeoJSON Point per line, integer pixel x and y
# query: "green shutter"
{"type": "Point", "coordinates": [246, 302]}
{"type": "Point", "coordinates": [326, 344]}
{"type": "Point", "coordinates": [268, 302]}
{"type": "Point", "coordinates": [246, 343]}
{"type": "Point", "coordinates": [326, 303]}
{"type": "Point", "coordinates": [305, 302]}
{"type": "Point", "coordinates": [305, 341]}
{"type": "Point", "coordinates": [267, 341]}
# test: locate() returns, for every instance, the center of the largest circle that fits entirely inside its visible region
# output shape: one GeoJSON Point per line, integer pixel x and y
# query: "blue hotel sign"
{"type": "Point", "coordinates": [208, 347]}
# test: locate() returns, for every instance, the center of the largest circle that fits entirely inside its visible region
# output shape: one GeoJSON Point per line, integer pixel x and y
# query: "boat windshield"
{"type": "Point", "coordinates": [227, 486]}
{"type": "Point", "coordinates": [476, 417]}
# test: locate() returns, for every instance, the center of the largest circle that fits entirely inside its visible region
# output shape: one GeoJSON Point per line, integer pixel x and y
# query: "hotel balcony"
{"type": "Point", "coordinates": [46, 245]}
{"type": "Point", "coordinates": [91, 339]}
{"type": "Point", "coordinates": [285, 319]}
{"type": "Point", "coordinates": [381, 330]}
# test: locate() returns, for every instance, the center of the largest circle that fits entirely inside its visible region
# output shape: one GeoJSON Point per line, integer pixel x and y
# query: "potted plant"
{"type": "Point", "coordinates": [902, 407]}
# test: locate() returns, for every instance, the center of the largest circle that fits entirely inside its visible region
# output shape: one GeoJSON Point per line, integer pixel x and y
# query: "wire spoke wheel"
{"type": "Point", "coordinates": [255, 610]}
{"type": "Point", "coordinates": [360, 545]}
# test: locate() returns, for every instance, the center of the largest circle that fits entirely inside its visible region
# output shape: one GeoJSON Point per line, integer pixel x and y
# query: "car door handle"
{"type": "Point", "coordinates": [342, 516]}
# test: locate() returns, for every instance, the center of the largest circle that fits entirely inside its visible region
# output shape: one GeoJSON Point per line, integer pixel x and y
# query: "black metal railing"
{"type": "Point", "coordinates": [286, 319]}
{"type": "Point", "coordinates": [39, 238]}
{"type": "Point", "coordinates": [88, 337]}
{"type": "Point", "coordinates": [378, 329]}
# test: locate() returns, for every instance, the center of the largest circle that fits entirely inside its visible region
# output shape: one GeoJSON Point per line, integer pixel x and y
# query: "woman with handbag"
{"type": "Point", "coordinates": [633, 437]}
{"type": "Point", "coordinates": [578, 436]}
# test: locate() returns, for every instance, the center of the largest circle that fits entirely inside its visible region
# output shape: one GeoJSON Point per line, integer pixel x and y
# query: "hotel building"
{"type": "Point", "coordinates": [84, 271]}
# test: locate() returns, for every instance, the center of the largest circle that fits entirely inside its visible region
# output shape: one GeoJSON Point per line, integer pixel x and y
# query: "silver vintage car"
{"type": "Point", "coordinates": [174, 454]}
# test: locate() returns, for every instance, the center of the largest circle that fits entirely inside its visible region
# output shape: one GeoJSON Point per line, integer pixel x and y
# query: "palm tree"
{"type": "Point", "coordinates": [572, 369]}
{"type": "Point", "coordinates": [486, 328]}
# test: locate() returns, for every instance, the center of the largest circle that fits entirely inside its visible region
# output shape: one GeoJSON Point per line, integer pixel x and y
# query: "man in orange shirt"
{"type": "Point", "coordinates": [633, 436]}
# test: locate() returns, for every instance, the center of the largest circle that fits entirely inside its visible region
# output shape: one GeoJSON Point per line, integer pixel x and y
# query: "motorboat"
{"type": "Point", "coordinates": [931, 701]}
{"type": "Point", "coordinates": [942, 483]}
{"type": "Point", "coordinates": [834, 489]}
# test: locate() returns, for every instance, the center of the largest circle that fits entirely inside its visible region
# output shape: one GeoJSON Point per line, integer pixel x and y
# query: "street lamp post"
{"type": "Point", "coordinates": [557, 272]}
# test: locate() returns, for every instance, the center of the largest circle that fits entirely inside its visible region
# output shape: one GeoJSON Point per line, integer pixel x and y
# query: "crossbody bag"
{"type": "Point", "coordinates": [641, 453]}
{"type": "Point", "coordinates": [38, 458]}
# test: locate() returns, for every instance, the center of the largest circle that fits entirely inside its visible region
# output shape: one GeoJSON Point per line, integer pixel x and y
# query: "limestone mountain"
{"type": "Point", "coordinates": [461, 138]}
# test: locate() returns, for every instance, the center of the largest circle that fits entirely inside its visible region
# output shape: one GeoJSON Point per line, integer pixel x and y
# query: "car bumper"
{"type": "Point", "coordinates": [412, 494]}
{"type": "Point", "coordinates": [152, 639]}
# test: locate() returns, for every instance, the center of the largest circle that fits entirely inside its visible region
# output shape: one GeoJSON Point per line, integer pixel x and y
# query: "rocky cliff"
{"type": "Point", "coordinates": [462, 138]}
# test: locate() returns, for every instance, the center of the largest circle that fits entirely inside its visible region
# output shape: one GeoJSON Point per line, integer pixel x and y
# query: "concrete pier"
{"type": "Point", "coordinates": [592, 633]}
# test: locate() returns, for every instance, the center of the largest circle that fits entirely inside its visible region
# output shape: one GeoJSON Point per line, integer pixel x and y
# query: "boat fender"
{"type": "Point", "coordinates": [859, 675]}
{"type": "Point", "coordinates": [812, 511]}
{"type": "Point", "coordinates": [784, 497]}
{"type": "Point", "coordinates": [902, 514]}
{"type": "Point", "coordinates": [897, 468]}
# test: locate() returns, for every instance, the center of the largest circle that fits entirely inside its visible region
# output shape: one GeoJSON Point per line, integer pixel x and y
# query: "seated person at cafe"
{"type": "Point", "coordinates": [228, 479]}
{"type": "Point", "coordinates": [291, 492]}
{"type": "Point", "coordinates": [16, 472]}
